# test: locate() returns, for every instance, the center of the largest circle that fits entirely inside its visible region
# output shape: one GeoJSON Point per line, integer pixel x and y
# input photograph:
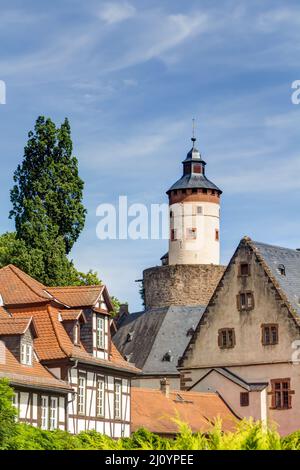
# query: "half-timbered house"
{"type": "Point", "coordinates": [71, 326]}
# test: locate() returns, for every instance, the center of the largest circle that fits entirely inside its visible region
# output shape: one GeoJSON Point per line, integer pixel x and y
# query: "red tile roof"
{"type": "Point", "coordinates": [151, 409]}
{"type": "Point", "coordinates": [17, 288]}
{"type": "Point", "coordinates": [14, 326]}
{"type": "Point", "coordinates": [71, 315]}
{"type": "Point", "coordinates": [77, 296]}
{"type": "Point", "coordinates": [4, 313]}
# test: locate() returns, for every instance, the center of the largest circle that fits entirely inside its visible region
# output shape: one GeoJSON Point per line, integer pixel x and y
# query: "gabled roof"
{"type": "Point", "coordinates": [287, 286]}
{"type": "Point", "coordinates": [249, 386]}
{"type": "Point", "coordinates": [154, 333]}
{"type": "Point", "coordinates": [78, 296]}
{"type": "Point", "coordinates": [17, 288]}
{"type": "Point", "coordinates": [153, 410]}
{"type": "Point", "coordinates": [16, 326]}
{"type": "Point", "coordinates": [72, 315]}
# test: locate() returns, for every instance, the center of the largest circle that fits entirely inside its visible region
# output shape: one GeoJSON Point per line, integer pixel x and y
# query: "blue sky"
{"type": "Point", "coordinates": [130, 76]}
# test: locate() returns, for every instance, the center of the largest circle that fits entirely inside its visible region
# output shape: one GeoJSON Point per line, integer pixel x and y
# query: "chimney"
{"type": "Point", "coordinates": [123, 310]}
{"type": "Point", "coordinates": [165, 387]}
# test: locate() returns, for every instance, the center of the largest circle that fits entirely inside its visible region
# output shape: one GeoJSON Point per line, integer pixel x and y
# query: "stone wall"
{"type": "Point", "coordinates": [180, 284]}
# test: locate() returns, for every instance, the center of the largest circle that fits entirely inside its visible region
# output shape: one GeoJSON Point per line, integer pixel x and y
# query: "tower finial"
{"type": "Point", "coordinates": [194, 138]}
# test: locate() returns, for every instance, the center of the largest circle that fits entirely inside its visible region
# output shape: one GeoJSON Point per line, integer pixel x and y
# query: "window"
{"type": "Point", "coordinates": [217, 235]}
{"type": "Point", "coordinates": [53, 413]}
{"type": "Point", "coordinates": [281, 394]}
{"type": "Point", "coordinates": [197, 168]}
{"type": "Point", "coordinates": [191, 233]}
{"type": "Point", "coordinates": [245, 301]}
{"type": "Point", "coordinates": [76, 332]}
{"type": "Point", "coordinates": [81, 394]}
{"type": "Point", "coordinates": [244, 269]}
{"type": "Point", "coordinates": [269, 334]}
{"type": "Point", "coordinates": [100, 396]}
{"type": "Point", "coordinates": [281, 269]}
{"type": "Point", "coordinates": [118, 400]}
{"type": "Point", "coordinates": [15, 399]}
{"type": "Point", "coordinates": [44, 412]}
{"type": "Point", "coordinates": [171, 214]}
{"type": "Point", "coordinates": [199, 210]}
{"type": "Point", "coordinates": [26, 354]}
{"type": "Point", "coordinates": [167, 357]}
{"type": "Point", "coordinates": [100, 331]}
{"type": "Point", "coordinates": [226, 338]}
{"type": "Point", "coordinates": [244, 399]}
{"type": "Point", "coordinates": [173, 234]}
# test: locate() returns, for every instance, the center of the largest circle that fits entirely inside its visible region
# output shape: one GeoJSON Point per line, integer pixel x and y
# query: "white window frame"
{"type": "Point", "coordinates": [100, 332]}
{"type": "Point", "coordinates": [76, 333]}
{"type": "Point", "coordinates": [100, 399]}
{"type": "Point", "coordinates": [81, 395]}
{"type": "Point", "coordinates": [118, 399]}
{"type": "Point", "coordinates": [26, 354]}
{"type": "Point", "coordinates": [53, 415]}
{"type": "Point", "coordinates": [44, 412]}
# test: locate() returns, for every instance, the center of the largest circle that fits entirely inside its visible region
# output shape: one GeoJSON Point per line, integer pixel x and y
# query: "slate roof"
{"type": "Point", "coordinates": [154, 333]}
{"type": "Point", "coordinates": [153, 410]}
{"type": "Point", "coordinates": [194, 181]}
{"type": "Point", "coordinates": [249, 386]}
{"type": "Point", "coordinates": [290, 259]}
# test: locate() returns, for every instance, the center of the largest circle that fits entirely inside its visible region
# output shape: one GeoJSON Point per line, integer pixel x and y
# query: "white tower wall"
{"type": "Point", "coordinates": [195, 233]}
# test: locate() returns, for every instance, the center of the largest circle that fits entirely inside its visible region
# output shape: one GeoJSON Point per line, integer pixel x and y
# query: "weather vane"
{"type": "Point", "coordinates": [194, 127]}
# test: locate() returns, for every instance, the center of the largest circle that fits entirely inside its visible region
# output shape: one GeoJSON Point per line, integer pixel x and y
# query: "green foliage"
{"type": "Point", "coordinates": [48, 191]}
{"type": "Point", "coordinates": [8, 426]}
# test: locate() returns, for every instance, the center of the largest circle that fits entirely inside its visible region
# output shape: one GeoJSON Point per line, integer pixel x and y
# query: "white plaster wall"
{"type": "Point", "coordinates": [205, 249]}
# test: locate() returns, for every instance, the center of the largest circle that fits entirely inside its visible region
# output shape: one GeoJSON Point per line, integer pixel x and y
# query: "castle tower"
{"type": "Point", "coordinates": [194, 215]}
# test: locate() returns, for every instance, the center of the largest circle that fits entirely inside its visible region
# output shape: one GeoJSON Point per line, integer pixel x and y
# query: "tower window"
{"type": "Point", "coordinates": [199, 210]}
{"type": "Point", "coordinates": [173, 234]}
{"type": "Point", "coordinates": [197, 169]}
{"type": "Point", "coordinates": [171, 214]}
{"type": "Point", "coordinates": [226, 338]}
{"type": "Point", "coordinates": [191, 233]}
{"type": "Point", "coordinates": [245, 301]}
{"type": "Point", "coordinates": [194, 190]}
{"type": "Point", "coordinates": [217, 235]}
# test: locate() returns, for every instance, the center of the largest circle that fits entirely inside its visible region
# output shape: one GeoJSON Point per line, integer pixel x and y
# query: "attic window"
{"type": "Point", "coordinates": [129, 337]}
{"type": "Point", "coordinates": [281, 269]}
{"type": "Point", "coordinates": [26, 354]}
{"type": "Point", "coordinates": [168, 357]}
{"type": "Point", "coordinates": [76, 333]}
{"type": "Point", "coordinates": [128, 357]}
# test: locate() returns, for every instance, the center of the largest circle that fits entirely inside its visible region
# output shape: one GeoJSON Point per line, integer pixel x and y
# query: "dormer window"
{"type": "Point", "coordinates": [281, 269]}
{"type": "Point", "coordinates": [26, 354]}
{"type": "Point", "coordinates": [168, 357]}
{"type": "Point", "coordinates": [100, 332]}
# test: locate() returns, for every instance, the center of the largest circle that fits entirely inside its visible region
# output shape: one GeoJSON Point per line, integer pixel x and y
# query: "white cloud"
{"type": "Point", "coordinates": [116, 12]}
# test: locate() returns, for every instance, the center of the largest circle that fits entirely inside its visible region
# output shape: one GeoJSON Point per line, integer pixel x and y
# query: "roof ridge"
{"type": "Point", "coordinates": [255, 242]}
{"type": "Point", "coordinates": [16, 270]}
{"type": "Point", "coordinates": [76, 287]}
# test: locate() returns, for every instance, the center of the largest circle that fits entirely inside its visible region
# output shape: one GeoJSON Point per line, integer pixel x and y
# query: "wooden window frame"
{"type": "Point", "coordinates": [244, 399]}
{"type": "Point", "coordinates": [81, 376]}
{"type": "Point", "coordinates": [76, 333]}
{"type": "Point", "coordinates": [53, 419]}
{"type": "Point", "coordinates": [118, 382]}
{"type": "Point", "coordinates": [217, 235]}
{"type": "Point", "coordinates": [44, 417]}
{"type": "Point", "coordinates": [247, 308]}
{"type": "Point", "coordinates": [275, 390]}
{"type": "Point", "coordinates": [244, 263]}
{"type": "Point", "coordinates": [228, 345]}
{"type": "Point", "coordinates": [264, 326]}
{"type": "Point", "coordinates": [26, 352]}
{"type": "Point", "coordinates": [100, 338]}
{"type": "Point", "coordinates": [173, 235]}
{"type": "Point", "coordinates": [100, 379]}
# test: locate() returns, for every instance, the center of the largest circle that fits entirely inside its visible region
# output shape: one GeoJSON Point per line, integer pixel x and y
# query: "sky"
{"type": "Point", "coordinates": [130, 76]}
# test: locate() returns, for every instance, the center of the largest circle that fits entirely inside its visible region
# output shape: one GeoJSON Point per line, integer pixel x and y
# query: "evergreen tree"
{"type": "Point", "coordinates": [47, 195]}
